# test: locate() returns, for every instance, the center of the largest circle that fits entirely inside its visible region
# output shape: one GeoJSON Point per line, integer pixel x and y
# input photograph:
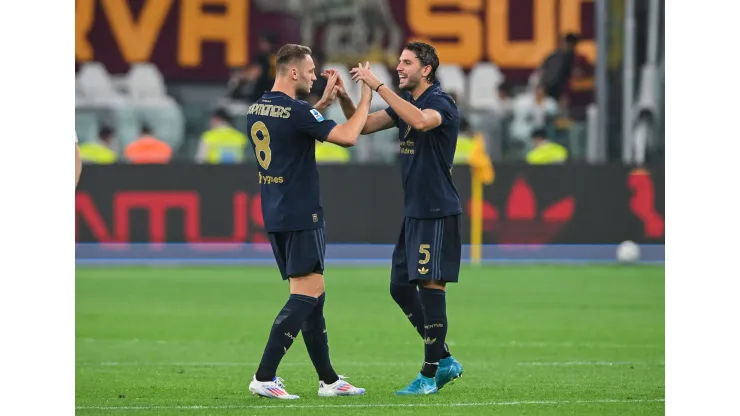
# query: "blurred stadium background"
{"type": "Point", "coordinates": [576, 140]}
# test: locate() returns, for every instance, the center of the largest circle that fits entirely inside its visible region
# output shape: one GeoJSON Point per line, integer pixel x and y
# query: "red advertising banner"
{"type": "Point", "coordinates": [199, 40]}
{"type": "Point", "coordinates": [571, 204]}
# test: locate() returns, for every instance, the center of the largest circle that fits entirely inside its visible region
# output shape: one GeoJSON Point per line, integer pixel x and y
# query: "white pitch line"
{"type": "Point", "coordinates": [584, 363]}
{"type": "Point", "coordinates": [350, 406]}
{"type": "Point", "coordinates": [510, 344]}
{"type": "Point", "coordinates": [515, 344]}
{"type": "Point", "coordinates": [364, 364]}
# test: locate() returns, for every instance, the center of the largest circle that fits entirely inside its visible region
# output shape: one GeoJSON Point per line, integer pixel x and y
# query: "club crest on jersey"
{"type": "Point", "coordinates": [317, 115]}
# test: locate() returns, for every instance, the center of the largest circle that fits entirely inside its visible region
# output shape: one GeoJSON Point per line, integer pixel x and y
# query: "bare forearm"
{"type": "Point", "coordinates": [321, 105]}
{"type": "Point", "coordinates": [348, 108]}
{"type": "Point", "coordinates": [346, 134]}
{"type": "Point", "coordinates": [358, 117]}
{"type": "Point", "coordinates": [406, 111]}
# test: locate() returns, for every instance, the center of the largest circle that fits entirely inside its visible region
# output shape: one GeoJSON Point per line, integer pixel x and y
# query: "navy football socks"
{"type": "Point", "coordinates": [409, 299]}
{"type": "Point", "coordinates": [317, 342]}
{"type": "Point", "coordinates": [283, 333]}
{"type": "Point", "coordinates": [435, 328]}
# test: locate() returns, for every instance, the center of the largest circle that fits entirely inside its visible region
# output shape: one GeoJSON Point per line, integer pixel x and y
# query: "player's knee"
{"type": "Point", "coordinates": [307, 327]}
{"type": "Point", "coordinates": [432, 284]}
{"type": "Point", "coordinates": [311, 284]}
{"type": "Point", "coordinates": [401, 291]}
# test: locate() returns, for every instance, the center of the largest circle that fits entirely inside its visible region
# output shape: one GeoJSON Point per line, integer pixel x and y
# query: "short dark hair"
{"type": "Point", "coordinates": [223, 114]}
{"type": "Point", "coordinates": [290, 53]}
{"type": "Point", "coordinates": [572, 39]}
{"type": "Point", "coordinates": [539, 133]}
{"type": "Point", "coordinates": [427, 55]}
{"type": "Point", "coordinates": [106, 133]}
{"type": "Point", "coordinates": [268, 37]}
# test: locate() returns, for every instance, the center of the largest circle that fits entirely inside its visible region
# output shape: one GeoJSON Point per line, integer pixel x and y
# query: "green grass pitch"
{"type": "Point", "coordinates": [534, 340]}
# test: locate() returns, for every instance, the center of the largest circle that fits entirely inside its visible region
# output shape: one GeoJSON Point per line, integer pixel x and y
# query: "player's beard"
{"type": "Point", "coordinates": [412, 81]}
{"type": "Point", "coordinates": [303, 88]}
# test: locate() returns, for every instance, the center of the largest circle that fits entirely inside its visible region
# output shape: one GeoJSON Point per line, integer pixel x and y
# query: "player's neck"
{"type": "Point", "coordinates": [416, 92]}
{"type": "Point", "coordinates": [284, 87]}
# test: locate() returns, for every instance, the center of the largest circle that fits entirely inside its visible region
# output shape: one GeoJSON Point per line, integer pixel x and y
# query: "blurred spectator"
{"type": "Point", "coordinates": [147, 149]}
{"type": "Point", "coordinates": [242, 85]}
{"type": "Point", "coordinates": [532, 111]}
{"type": "Point", "coordinates": [463, 118]}
{"type": "Point", "coordinates": [100, 151]}
{"type": "Point", "coordinates": [557, 69]}
{"type": "Point", "coordinates": [222, 143]}
{"type": "Point", "coordinates": [545, 152]}
{"type": "Point", "coordinates": [505, 107]}
{"type": "Point", "coordinates": [495, 122]}
{"type": "Point", "coordinates": [247, 84]}
{"type": "Point", "coordinates": [500, 124]}
{"type": "Point", "coordinates": [465, 142]}
{"type": "Point", "coordinates": [264, 60]}
{"type": "Point", "coordinates": [563, 122]}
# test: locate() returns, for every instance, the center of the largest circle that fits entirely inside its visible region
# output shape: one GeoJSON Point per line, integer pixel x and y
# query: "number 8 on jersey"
{"type": "Point", "coordinates": [261, 146]}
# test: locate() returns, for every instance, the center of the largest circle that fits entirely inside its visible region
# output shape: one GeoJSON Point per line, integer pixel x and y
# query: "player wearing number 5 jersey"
{"type": "Point", "coordinates": [427, 255]}
{"type": "Point", "coordinates": [283, 131]}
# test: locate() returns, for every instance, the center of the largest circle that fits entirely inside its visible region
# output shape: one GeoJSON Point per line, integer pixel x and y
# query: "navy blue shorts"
{"type": "Point", "coordinates": [299, 253]}
{"type": "Point", "coordinates": [428, 249]}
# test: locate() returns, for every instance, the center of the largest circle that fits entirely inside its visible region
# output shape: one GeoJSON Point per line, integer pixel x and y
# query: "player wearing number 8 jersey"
{"type": "Point", "coordinates": [283, 131]}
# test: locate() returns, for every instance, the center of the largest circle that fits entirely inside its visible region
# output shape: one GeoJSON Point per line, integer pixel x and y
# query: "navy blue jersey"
{"type": "Point", "coordinates": [283, 132]}
{"type": "Point", "coordinates": [426, 157]}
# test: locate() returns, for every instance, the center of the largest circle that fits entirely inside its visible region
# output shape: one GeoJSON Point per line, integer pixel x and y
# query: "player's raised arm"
{"type": "Point", "coordinates": [379, 120]}
{"type": "Point", "coordinates": [416, 74]}
{"type": "Point", "coordinates": [330, 93]}
{"type": "Point", "coordinates": [333, 78]}
{"type": "Point", "coordinates": [346, 134]}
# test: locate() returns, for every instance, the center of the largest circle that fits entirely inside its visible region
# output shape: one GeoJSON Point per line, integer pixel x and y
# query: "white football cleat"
{"type": "Point", "coordinates": [339, 388]}
{"type": "Point", "coordinates": [274, 389]}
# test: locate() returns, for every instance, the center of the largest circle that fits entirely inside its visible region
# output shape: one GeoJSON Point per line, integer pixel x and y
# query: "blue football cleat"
{"type": "Point", "coordinates": [420, 385]}
{"type": "Point", "coordinates": [449, 370]}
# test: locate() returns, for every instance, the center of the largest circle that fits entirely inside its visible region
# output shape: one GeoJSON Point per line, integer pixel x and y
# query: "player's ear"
{"type": "Point", "coordinates": [425, 71]}
{"type": "Point", "coordinates": [294, 73]}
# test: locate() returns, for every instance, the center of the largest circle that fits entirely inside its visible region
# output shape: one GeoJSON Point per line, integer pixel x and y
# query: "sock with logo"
{"type": "Point", "coordinates": [435, 328]}
{"type": "Point", "coordinates": [283, 333]}
{"type": "Point", "coordinates": [317, 342]}
{"type": "Point", "coordinates": [408, 298]}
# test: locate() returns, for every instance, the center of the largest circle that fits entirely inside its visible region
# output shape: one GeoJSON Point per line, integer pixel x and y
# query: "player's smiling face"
{"type": "Point", "coordinates": [305, 75]}
{"type": "Point", "coordinates": [409, 70]}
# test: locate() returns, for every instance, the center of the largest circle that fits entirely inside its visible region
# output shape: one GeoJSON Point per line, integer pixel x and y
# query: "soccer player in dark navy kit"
{"type": "Point", "coordinates": [427, 254]}
{"type": "Point", "coordinates": [283, 131]}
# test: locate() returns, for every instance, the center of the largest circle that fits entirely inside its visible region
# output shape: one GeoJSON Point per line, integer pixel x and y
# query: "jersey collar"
{"type": "Point", "coordinates": [435, 86]}
{"type": "Point", "coordinates": [276, 94]}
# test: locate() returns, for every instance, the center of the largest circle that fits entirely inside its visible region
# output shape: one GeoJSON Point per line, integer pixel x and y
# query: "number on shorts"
{"type": "Point", "coordinates": [424, 249]}
{"type": "Point", "coordinates": [261, 146]}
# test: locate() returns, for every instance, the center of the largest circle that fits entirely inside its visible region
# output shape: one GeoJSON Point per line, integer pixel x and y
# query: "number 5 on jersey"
{"type": "Point", "coordinates": [261, 146]}
{"type": "Point", "coordinates": [424, 249]}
